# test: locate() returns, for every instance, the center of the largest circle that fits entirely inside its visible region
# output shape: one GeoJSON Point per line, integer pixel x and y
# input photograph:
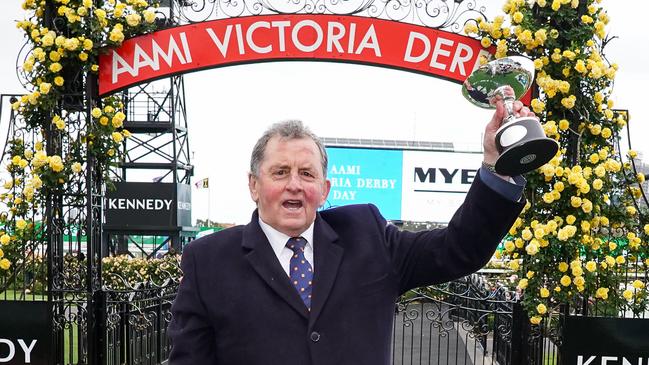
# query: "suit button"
{"type": "Point", "coordinates": [315, 336]}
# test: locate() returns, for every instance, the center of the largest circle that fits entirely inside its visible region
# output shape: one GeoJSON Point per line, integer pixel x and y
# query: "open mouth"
{"type": "Point", "coordinates": [292, 204]}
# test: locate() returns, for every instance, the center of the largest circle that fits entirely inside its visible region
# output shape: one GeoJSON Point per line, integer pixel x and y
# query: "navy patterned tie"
{"type": "Point", "coordinates": [301, 272]}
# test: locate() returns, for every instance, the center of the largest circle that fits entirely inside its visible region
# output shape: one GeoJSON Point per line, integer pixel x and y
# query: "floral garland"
{"type": "Point", "coordinates": [66, 37]}
{"type": "Point", "coordinates": [581, 235]}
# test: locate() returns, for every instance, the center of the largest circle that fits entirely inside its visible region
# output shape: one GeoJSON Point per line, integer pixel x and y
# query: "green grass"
{"type": "Point", "coordinates": [71, 338]}
{"type": "Point", "coordinates": [19, 295]}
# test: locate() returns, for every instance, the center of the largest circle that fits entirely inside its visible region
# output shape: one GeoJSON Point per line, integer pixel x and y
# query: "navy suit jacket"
{"type": "Point", "coordinates": [236, 306]}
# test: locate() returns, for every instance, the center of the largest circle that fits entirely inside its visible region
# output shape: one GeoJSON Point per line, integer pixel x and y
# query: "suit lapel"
{"type": "Point", "coordinates": [327, 257]}
{"type": "Point", "coordinates": [263, 259]}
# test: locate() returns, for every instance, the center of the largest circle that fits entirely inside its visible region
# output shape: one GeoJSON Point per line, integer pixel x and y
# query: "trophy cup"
{"type": "Point", "coordinates": [521, 142]}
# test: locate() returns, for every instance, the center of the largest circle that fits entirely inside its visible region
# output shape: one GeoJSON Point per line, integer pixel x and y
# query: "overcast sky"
{"type": "Point", "coordinates": [228, 108]}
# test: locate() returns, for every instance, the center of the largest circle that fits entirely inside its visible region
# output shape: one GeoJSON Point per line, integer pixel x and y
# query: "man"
{"type": "Point", "coordinates": [298, 287]}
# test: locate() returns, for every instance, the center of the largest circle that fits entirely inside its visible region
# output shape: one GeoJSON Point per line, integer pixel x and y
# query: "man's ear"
{"type": "Point", "coordinates": [325, 191]}
{"type": "Point", "coordinates": [252, 186]}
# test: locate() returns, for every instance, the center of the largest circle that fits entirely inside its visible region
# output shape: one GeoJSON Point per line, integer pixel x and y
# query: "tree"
{"type": "Point", "coordinates": [582, 232]}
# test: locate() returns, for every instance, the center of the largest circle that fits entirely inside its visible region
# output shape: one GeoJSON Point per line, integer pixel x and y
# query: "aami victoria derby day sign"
{"type": "Point", "coordinates": [289, 37]}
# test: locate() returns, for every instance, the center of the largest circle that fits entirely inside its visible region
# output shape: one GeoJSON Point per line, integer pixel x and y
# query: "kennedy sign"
{"type": "Point", "coordinates": [25, 332]}
{"type": "Point", "coordinates": [288, 37]}
{"type": "Point", "coordinates": [605, 341]}
{"type": "Point", "coordinates": [148, 206]}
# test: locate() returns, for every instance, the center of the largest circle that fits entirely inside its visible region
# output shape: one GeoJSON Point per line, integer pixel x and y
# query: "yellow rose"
{"type": "Point", "coordinates": [116, 35]}
{"type": "Point", "coordinates": [45, 87]}
{"type": "Point", "coordinates": [620, 260]}
{"type": "Point", "coordinates": [96, 113]}
{"type": "Point", "coordinates": [59, 81]}
{"type": "Point", "coordinates": [55, 163]}
{"type": "Point", "coordinates": [544, 292]}
{"type": "Point", "coordinates": [538, 106]}
{"type": "Point", "coordinates": [514, 265]}
{"type": "Point", "coordinates": [517, 17]}
{"type": "Point", "coordinates": [602, 293]}
{"type": "Point", "coordinates": [5, 264]}
{"type": "Point", "coordinates": [149, 17]}
{"type": "Point", "coordinates": [638, 284]}
{"type": "Point", "coordinates": [117, 137]}
{"type": "Point", "coordinates": [5, 239]}
{"type": "Point", "coordinates": [76, 167]}
{"type": "Point", "coordinates": [627, 294]}
{"type": "Point", "coordinates": [532, 249]}
{"type": "Point", "coordinates": [21, 224]}
{"type": "Point", "coordinates": [83, 56]}
{"type": "Point", "coordinates": [575, 201]}
{"type": "Point", "coordinates": [565, 280]}
{"type": "Point", "coordinates": [522, 284]}
{"type": "Point", "coordinates": [563, 266]}
{"type": "Point", "coordinates": [55, 67]}
{"type": "Point", "coordinates": [591, 266]}
{"type": "Point", "coordinates": [535, 320]}
{"type": "Point", "coordinates": [133, 20]}
{"type": "Point", "coordinates": [598, 184]}
{"type": "Point", "coordinates": [541, 308]}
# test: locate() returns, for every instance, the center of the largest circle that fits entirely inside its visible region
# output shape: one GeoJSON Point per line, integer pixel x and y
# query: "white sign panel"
{"type": "Point", "coordinates": [435, 183]}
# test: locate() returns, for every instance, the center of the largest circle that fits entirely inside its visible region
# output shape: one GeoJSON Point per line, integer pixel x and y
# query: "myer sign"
{"type": "Point", "coordinates": [137, 205]}
{"type": "Point", "coordinates": [25, 333]}
{"type": "Point", "coordinates": [605, 341]}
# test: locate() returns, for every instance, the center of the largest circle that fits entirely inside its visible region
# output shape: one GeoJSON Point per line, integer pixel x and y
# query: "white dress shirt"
{"type": "Point", "coordinates": [278, 241]}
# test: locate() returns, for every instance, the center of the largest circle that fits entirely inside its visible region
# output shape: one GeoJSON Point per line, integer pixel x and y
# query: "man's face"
{"type": "Point", "coordinates": [290, 186]}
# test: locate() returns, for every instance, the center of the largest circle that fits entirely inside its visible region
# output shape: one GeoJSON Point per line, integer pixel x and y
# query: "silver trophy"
{"type": "Point", "coordinates": [521, 142]}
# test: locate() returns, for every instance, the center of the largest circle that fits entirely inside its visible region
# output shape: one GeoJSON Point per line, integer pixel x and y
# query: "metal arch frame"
{"type": "Point", "coordinates": [438, 14]}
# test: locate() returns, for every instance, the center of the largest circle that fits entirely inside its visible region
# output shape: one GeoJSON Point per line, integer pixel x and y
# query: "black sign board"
{"type": "Point", "coordinates": [141, 206]}
{"type": "Point", "coordinates": [605, 341]}
{"type": "Point", "coordinates": [25, 333]}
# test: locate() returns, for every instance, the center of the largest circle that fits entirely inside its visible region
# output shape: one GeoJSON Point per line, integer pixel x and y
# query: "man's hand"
{"type": "Point", "coordinates": [489, 143]}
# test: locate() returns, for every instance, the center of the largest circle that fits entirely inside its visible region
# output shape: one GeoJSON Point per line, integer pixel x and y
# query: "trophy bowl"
{"type": "Point", "coordinates": [522, 143]}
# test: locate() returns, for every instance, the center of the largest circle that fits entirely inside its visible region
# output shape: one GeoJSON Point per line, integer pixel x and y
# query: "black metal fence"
{"type": "Point", "coordinates": [470, 322]}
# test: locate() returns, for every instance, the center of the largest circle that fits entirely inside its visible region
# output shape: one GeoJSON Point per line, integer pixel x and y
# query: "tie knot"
{"type": "Point", "coordinates": [296, 244]}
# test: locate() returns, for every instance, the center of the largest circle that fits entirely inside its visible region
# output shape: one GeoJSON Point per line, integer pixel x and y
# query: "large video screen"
{"type": "Point", "coordinates": [405, 184]}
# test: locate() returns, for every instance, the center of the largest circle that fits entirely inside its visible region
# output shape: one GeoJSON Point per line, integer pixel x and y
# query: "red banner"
{"type": "Point", "coordinates": [288, 37]}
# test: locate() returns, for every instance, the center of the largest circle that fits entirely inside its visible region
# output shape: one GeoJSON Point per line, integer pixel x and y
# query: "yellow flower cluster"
{"type": "Point", "coordinates": [54, 55]}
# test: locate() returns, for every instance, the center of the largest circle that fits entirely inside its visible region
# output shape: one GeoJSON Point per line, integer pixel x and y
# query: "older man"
{"type": "Point", "coordinates": [296, 286]}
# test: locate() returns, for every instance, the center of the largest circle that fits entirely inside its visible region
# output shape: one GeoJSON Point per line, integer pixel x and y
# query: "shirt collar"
{"type": "Point", "coordinates": [278, 239]}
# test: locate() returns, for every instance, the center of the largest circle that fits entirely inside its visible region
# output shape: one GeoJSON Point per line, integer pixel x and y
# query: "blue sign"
{"type": "Point", "coordinates": [366, 176]}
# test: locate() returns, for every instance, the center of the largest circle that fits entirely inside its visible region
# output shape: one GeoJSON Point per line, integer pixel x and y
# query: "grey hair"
{"type": "Point", "coordinates": [290, 129]}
